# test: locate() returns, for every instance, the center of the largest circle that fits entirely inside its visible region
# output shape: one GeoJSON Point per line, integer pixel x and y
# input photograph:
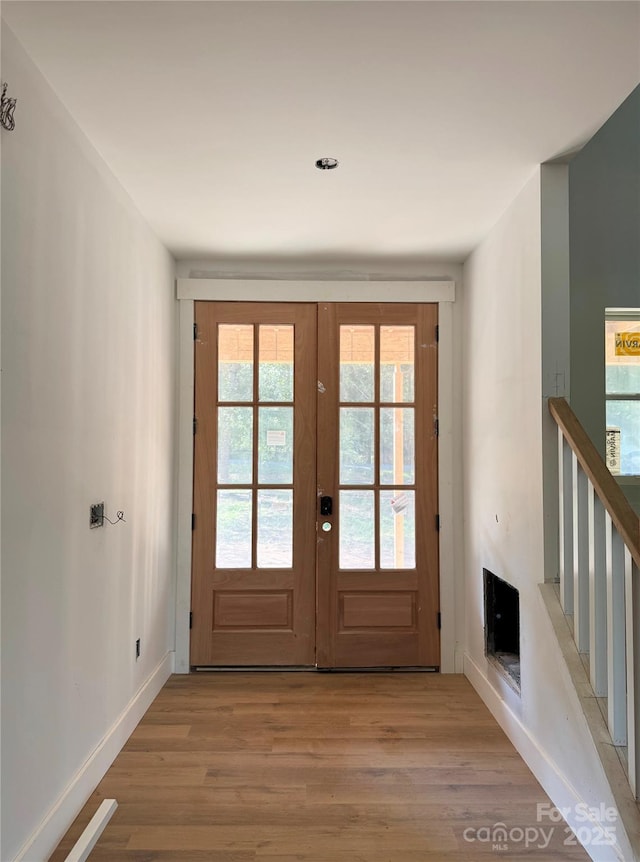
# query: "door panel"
{"type": "Point", "coordinates": [253, 583]}
{"type": "Point", "coordinates": [378, 550]}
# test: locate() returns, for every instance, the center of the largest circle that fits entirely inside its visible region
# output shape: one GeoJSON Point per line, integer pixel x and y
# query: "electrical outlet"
{"type": "Point", "coordinates": [96, 515]}
{"type": "Point", "coordinates": [137, 649]}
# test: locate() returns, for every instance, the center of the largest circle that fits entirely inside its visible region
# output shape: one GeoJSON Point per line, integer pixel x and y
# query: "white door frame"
{"type": "Point", "coordinates": [264, 290]}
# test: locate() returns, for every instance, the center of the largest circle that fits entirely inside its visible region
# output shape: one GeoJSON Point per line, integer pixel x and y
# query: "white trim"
{"type": "Point", "coordinates": [265, 290]}
{"type": "Point", "coordinates": [449, 630]}
{"type": "Point", "coordinates": [555, 784]}
{"type": "Point", "coordinates": [88, 840]}
{"type": "Point", "coordinates": [274, 290]}
{"type": "Point", "coordinates": [185, 484]}
{"type": "Point", "coordinates": [46, 837]}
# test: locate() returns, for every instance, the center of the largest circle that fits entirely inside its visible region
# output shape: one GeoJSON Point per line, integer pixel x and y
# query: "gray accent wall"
{"type": "Point", "coordinates": [604, 236]}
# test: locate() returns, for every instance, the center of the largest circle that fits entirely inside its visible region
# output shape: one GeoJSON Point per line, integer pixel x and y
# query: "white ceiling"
{"type": "Point", "coordinates": [212, 114]}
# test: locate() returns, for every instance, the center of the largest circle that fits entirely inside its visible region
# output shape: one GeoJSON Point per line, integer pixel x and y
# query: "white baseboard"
{"type": "Point", "coordinates": [44, 840]}
{"type": "Point", "coordinates": [561, 792]}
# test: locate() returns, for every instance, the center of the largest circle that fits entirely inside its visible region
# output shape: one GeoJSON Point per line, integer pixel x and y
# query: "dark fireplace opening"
{"type": "Point", "coordinates": [502, 626]}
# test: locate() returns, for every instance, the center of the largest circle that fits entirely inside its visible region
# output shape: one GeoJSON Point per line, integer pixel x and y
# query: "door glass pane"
{"type": "Point", "coordinates": [275, 375]}
{"type": "Point", "coordinates": [397, 529]}
{"type": "Point", "coordinates": [235, 362]}
{"type": "Point", "coordinates": [357, 522]}
{"type": "Point", "coordinates": [233, 529]}
{"type": "Point", "coordinates": [622, 352]}
{"type": "Point", "coordinates": [275, 528]}
{"type": "Point", "coordinates": [623, 437]}
{"type": "Point", "coordinates": [235, 445]}
{"type": "Point", "coordinates": [357, 463]}
{"type": "Point", "coordinates": [397, 361]}
{"type": "Point", "coordinates": [357, 356]}
{"type": "Point", "coordinates": [623, 379]}
{"type": "Point", "coordinates": [275, 447]}
{"type": "Point", "coordinates": [397, 451]}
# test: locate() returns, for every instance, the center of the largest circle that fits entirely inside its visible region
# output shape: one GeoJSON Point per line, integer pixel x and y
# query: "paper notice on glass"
{"type": "Point", "coordinates": [399, 503]}
{"type": "Point", "coordinates": [276, 438]}
{"type": "Point", "coordinates": [627, 343]}
{"type": "Point", "coordinates": [612, 450]}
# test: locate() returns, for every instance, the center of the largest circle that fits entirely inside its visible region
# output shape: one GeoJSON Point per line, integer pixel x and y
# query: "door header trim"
{"type": "Point", "coordinates": [299, 290]}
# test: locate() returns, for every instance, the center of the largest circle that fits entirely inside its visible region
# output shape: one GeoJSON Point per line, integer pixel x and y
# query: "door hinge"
{"type": "Point", "coordinates": [195, 424]}
{"type": "Point", "coordinates": [191, 620]}
{"type": "Point", "coordinates": [436, 427]}
{"type": "Point", "coordinates": [438, 522]}
{"type": "Point", "coordinates": [439, 620]}
{"type": "Point", "coordinates": [193, 521]}
{"type": "Point", "coordinates": [195, 331]}
{"type": "Point", "coordinates": [437, 332]}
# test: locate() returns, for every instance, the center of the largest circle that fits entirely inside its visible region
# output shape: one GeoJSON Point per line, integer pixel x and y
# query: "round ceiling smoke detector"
{"type": "Point", "coordinates": [326, 164]}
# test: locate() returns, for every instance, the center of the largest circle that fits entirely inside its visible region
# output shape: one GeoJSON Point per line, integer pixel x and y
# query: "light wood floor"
{"type": "Point", "coordinates": [313, 767]}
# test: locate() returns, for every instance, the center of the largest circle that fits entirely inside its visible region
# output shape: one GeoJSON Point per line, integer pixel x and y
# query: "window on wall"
{"type": "Point", "coordinates": [622, 366]}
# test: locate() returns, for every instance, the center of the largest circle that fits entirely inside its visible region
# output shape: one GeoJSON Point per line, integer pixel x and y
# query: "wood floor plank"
{"type": "Point", "coordinates": [311, 767]}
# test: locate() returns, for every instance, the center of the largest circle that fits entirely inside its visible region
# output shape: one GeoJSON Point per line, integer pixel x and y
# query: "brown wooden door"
{"type": "Point", "coordinates": [253, 582]}
{"type": "Point", "coordinates": [276, 581]}
{"type": "Point", "coordinates": [377, 460]}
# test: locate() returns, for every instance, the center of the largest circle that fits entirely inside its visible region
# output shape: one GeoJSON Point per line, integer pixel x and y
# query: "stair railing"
{"type": "Point", "coordinates": [599, 568]}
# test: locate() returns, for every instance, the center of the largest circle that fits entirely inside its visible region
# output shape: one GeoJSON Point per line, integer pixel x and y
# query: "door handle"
{"type": "Point", "coordinates": [326, 505]}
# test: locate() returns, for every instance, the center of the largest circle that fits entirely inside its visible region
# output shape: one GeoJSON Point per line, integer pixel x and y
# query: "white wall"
{"type": "Point", "coordinates": [501, 416]}
{"type": "Point", "coordinates": [1, 136]}
{"type": "Point", "coordinates": [503, 488]}
{"type": "Point", "coordinates": [555, 324]}
{"type": "Point", "coordinates": [88, 399]}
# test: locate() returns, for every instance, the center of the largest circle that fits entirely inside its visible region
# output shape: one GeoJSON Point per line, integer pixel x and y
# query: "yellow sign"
{"type": "Point", "coordinates": [627, 343]}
